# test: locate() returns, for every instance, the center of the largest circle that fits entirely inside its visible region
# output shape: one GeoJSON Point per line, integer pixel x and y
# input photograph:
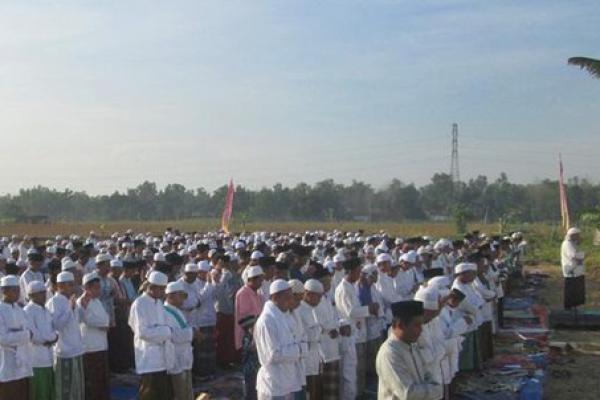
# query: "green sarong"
{"type": "Point", "coordinates": [43, 384]}
{"type": "Point", "coordinates": [69, 378]}
{"type": "Point", "coordinates": [470, 355]}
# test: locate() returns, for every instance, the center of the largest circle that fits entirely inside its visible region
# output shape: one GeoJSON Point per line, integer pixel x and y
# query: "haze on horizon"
{"type": "Point", "coordinates": [102, 96]}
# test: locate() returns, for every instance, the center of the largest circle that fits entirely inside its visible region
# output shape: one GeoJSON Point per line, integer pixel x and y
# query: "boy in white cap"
{"type": "Point", "coordinates": [94, 324]}
{"type": "Point", "coordinates": [15, 348]}
{"type": "Point", "coordinates": [278, 351]}
{"type": "Point", "coordinates": [43, 338]}
{"type": "Point", "coordinates": [313, 290]}
{"type": "Point", "coordinates": [182, 335]}
{"type": "Point", "coordinates": [68, 351]}
{"type": "Point", "coordinates": [154, 352]}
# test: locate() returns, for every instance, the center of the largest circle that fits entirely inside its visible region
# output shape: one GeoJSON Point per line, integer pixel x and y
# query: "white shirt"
{"type": "Point", "coordinates": [385, 287]}
{"type": "Point", "coordinates": [40, 323]}
{"type": "Point", "coordinates": [151, 332]}
{"type": "Point", "coordinates": [487, 309]}
{"type": "Point", "coordinates": [28, 276]}
{"type": "Point", "coordinates": [471, 304]}
{"type": "Point", "coordinates": [181, 336]}
{"type": "Point", "coordinates": [348, 306]}
{"type": "Point", "coordinates": [15, 348]}
{"type": "Point", "coordinates": [208, 314]}
{"type": "Point", "coordinates": [191, 305]}
{"type": "Point", "coordinates": [404, 283]}
{"type": "Point", "coordinates": [571, 260]}
{"type": "Point", "coordinates": [313, 335]}
{"type": "Point", "coordinates": [66, 323]}
{"type": "Point", "coordinates": [93, 323]}
{"type": "Point", "coordinates": [278, 353]}
{"type": "Point", "coordinates": [326, 316]}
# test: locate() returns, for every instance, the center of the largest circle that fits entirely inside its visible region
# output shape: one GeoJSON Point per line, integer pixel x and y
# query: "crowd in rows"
{"type": "Point", "coordinates": [306, 316]}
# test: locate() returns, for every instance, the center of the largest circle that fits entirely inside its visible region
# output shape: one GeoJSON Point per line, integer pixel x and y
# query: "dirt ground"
{"type": "Point", "coordinates": [579, 377]}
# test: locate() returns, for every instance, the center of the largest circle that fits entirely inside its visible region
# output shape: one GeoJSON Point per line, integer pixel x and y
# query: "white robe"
{"type": "Point", "coordinates": [66, 322]}
{"type": "Point", "coordinates": [326, 315]}
{"type": "Point", "coordinates": [94, 321]}
{"type": "Point", "coordinates": [571, 260]}
{"type": "Point", "coordinates": [348, 363]}
{"type": "Point", "coordinates": [348, 306]}
{"type": "Point", "coordinates": [40, 323]}
{"type": "Point", "coordinates": [403, 374]}
{"type": "Point", "coordinates": [312, 328]}
{"type": "Point", "coordinates": [182, 337]}
{"type": "Point", "coordinates": [453, 326]}
{"type": "Point", "coordinates": [15, 347]}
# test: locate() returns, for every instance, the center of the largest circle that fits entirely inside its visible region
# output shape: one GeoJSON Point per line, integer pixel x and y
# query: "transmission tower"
{"type": "Point", "coordinates": [454, 173]}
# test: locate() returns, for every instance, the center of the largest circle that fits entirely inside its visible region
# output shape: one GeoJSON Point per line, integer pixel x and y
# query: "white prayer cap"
{"type": "Point", "coordinates": [425, 250]}
{"type": "Point", "coordinates": [330, 265]}
{"type": "Point", "coordinates": [159, 257]}
{"type": "Point", "coordinates": [90, 277]}
{"type": "Point", "coordinates": [570, 232]}
{"type": "Point", "coordinates": [175, 287]}
{"type": "Point", "coordinates": [519, 235]}
{"type": "Point", "coordinates": [212, 252]}
{"type": "Point", "coordinates": [279, 285]}
{"type": "Point", "coordinates": [65, 277]}
{"type": "Point", "coordinates": [296, 285]}
{"type": "Point", "coordinates": [398, 241]}
{"type": "Point", "coordinates": [116, 263]}
{"type": "Point", "coordinates": [383, 257]}
{"type": "Point", "coordinates": [339, 258]}
{"type": "Point", "coordinates": [147, 253]}
{"type": "Point", "coordinates": [103, 257]}
{"type": "Point", "coordinates": [51, 250]}
{"type": "Point", "coordinates": [67, 265]}
{"type": "Point", "coordinates": [35, 287]}
{"type": "Point", "coordinates": [464, 267]}
{"type": "Point", "coordinates": [9, 281]}
{"type": "Point", "coordinates": [369, 250]}
{"type": "Point", "coordinates": [158, 278]}
{"type": "Point", "coordinates": [239, 245]}
{"type": "Point", "coordinates": [409, 257]}
{"type": "Point", "coordinates": [429, 297]}
{"type": "Point", "coordinates": [439, 282]}
{"type": "Point", "coordinates": [191, 267]}
{"type": "Point", "coordinates": [256, 255]}
{"type": "Point", "coordinates": [313, 285]}
{"type": "Point", "coordinates": [204, 266]}
{"type": "Point", "coordinates": [254, 271]}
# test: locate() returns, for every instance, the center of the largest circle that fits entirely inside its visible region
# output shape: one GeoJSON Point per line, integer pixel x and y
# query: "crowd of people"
{"type": "Point", "coordinates": [317, 315]}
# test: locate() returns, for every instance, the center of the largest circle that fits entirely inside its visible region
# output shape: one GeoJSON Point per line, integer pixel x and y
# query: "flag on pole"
{"type": "Point", "coordinates": [228, 210]}
{"type": "Point", "coordinates": [564, 206]}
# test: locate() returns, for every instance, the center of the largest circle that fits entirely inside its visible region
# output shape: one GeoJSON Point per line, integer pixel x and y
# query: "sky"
{"type": "Point", "coordinates": [100, 96]}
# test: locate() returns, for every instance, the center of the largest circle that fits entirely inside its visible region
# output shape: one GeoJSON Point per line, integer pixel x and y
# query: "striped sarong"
{"type": "Point", "coordinates": [69, 378]}
{"type": "Point", "coordinates": [42, 384]}
{"type": "Point", "coordinates": [361, 369]}
{"type": "Point", "coordinates": [205, 353]}
{"type": "Point", "coordinates": [470, 355]}
{"type": "Point", "coordinates": [330, 379]}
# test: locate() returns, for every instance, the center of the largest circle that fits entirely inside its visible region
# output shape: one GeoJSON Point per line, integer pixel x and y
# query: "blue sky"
{"type": "Point", "coordinates": [99, 96]}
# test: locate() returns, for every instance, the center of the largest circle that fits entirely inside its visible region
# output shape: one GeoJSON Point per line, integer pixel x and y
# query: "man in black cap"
{"type": "Point", "coordinates": [400, 364]}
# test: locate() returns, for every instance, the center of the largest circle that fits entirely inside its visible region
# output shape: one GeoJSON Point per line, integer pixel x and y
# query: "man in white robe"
{"type": "Point", "coordinates": [573, 269]}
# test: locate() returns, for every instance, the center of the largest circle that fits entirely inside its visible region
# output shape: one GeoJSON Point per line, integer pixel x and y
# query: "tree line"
{"type": "Point", "coordinates": [477, 199]}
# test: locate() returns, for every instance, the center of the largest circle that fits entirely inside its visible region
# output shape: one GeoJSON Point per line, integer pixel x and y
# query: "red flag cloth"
{"type": "Point", "coordinates": [228, 210]}
{"type": "Point", "coordinates": [564, 206]}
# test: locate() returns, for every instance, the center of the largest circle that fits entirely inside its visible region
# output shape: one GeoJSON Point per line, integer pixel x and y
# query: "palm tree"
{"type": "Point", "coordinates": [590, 64]}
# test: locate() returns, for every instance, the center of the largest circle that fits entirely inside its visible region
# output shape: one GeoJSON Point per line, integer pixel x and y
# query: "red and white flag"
{"type": "Point", "coordinates": [228, 210]}
{"type": "Point", "coordinates": [564, 205]}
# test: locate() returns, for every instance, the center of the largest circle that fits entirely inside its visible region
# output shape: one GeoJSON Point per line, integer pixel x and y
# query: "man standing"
{"type": "Point", "coordinates": [278, 351]}
{"type": "Point", "coordinates": [94, 326]}
{"type": "Point", "coordinates": [573, 269]}
{"type": "Point", "coordinates": [313, 290]}
{"type": "Point", "coordinates": [32, 273]}
{"type": "Point", "coordinates": [68, 351]}
{"type": "Point", "coordinates": [15, 350]}
{"type": "Point", "coordinates": [400, 364]}
{"type": "Point", "coordinates": [248, 301]}
{"type": "Point", "coordinates": [154, 352]}
{"type": "Point", "coordinates": [43, 338]}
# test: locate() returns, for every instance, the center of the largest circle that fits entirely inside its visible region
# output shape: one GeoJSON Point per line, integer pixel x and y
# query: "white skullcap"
{"type": "Point", "coordinates": [175, 287]}
{"type": "Point", "coordinates": [313, 285]}
{"type": "Point", "coordinates": [256, 255]}
{"type": "Point", "coordinates": [383, 257]}
{"type": "Point", "coordinates": [279, 285]}
{"type": "Point", "coordinates": [570, 232]}
{"type": "Point", "coordinates": [158, 278]}
{"type": "Point", "coordinates": [159, 257]}
{"type": "Point", "coordinates": [409, 257]}
{"type": "Point", "coordinates": [296, 285]}
{"type": "Point", "coordinates": [425, 250]}
{"type": "Point", "coordinates": [191, 267]}
{"type": "Point", "coordinates": [369, 269]}
{"type": "Point", "coordinates": [330, 266]}
{"type": "Point", "coordinates": [439, 282]}
{"type": "Point", "coordinates": [116, 263]}
{"type": "Point", "coordinates": [67, 265]}
{"type": "Point", "coordinates": [339, 258]}
{"type": "Point", "coordinates": [254, 271]}
{"type": "Point", "coordinates": [9, 281]}
{"type": "Point", "coordinates": [204, 266]}
{"type": "Point", "coordinates": [239, 245]}
{"type": "Point", "coordinates": [103, 257]}
{"type": "Point", "coordinates": [35, 287]}
{"type": "Point", "coordinates": [64, 277]}
{"type": "Point", "coordinates": [90, 277]}
{"type": "Point", "coordinates": [429, 297]}
{"type": "Point", "coordinates": [212, 252]}
{"type": "Point", "coordinates": [464, 267]}
{"type": "Point", "coordinates": [398, 241]}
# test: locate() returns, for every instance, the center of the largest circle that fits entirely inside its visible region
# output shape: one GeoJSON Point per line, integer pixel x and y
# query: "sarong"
{"type": "Point", "coordinates": [470, 355]}
{"type": "Point", "coordinates": [330, 379]}
{"type": "Point", "coordinates": [313, 386]}
{"type": "Point", "coordinates": [487, 341]}
{"type": "Point", "coordinates": [361, 369]}
{"type": "Point", "coordinates": [205, 353]}
{"type": "Point", "coordinates": [226, 353]}
{"type": "Point", "coordinates": [42, 384]}
{"type": "Point", "coordinates": [97, 379]}
{"type": "Point", "coordinates": [15, 390]}
{"type": "Point", "coordinates": [69, 378]}
{"type": "Point", "coordinates": [121, 356]}
{"type": "Point", "coordinates": [574, 292]}
{"type": "Point", "coordinates": [182, 386]}
{"type": "Point", "coordinates": [155, 386]}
